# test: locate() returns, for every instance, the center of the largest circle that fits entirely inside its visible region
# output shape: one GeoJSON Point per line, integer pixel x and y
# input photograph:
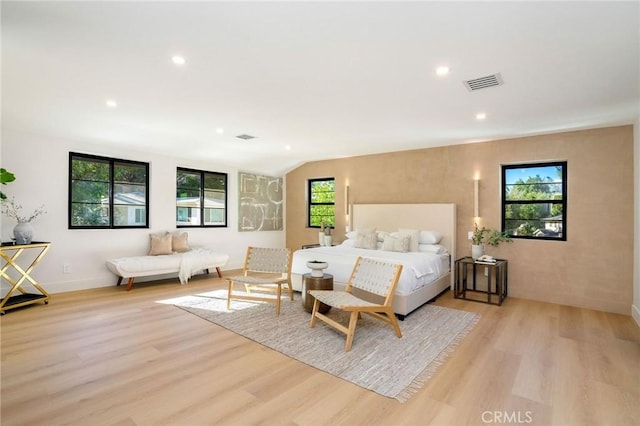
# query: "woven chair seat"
{"type": "Point", "coordinates": [339, 299]}
{"type": "Point", "coordinates": [254, 280]}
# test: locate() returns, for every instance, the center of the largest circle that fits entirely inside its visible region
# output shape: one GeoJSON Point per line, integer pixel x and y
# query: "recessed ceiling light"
{"type": "Point", "coordinates": [481, 116]}
{"type": "Point", "coordinates": [219, 130]}
{"type": "Point", "coordinates": [287, 147]}
{"type": "Point", "coordinates": [111, 103]}
{"type": "Point", "coordinates": [442, 70]}
{"type": "Point", "coordinates": [178, 60]}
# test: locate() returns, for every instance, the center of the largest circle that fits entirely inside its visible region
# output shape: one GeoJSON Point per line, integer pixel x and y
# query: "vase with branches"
{"type": "Point", "coordinates": [23, 231]}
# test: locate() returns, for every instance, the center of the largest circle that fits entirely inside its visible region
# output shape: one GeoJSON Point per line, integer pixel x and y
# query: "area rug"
{"type": "Point", "coordinates": [378, 361]}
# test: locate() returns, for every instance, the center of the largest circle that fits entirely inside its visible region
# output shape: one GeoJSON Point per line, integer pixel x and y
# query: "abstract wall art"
{"type": "Point", "coordinates": [261, 202]}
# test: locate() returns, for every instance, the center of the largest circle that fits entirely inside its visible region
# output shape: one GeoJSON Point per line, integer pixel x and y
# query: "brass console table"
{"type": "Point", "coordinates": [17, 296]}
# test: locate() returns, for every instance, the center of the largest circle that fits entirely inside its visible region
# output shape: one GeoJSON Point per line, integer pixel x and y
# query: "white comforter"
{"type": "Point", "coordinates": [419, 269]}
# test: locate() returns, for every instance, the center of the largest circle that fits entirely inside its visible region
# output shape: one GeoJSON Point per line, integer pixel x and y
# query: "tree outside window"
{"type": "Point", "coordinates": [201, 198]}
{"type": "Point", "coordinates": [107, 193]}
{"type": "Point", "coordinates": [534, 200]}
{"type": "Point", "coordinates": [322, 202]}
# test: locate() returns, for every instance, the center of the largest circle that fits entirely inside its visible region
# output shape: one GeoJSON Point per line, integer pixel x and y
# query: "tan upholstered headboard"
{"type": "Point", "coordinates": [389, 217]}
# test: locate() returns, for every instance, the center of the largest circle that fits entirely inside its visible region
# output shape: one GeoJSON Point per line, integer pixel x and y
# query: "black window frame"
{"type": "Point", "coordinates": [311, 203]}
{"type": "Point", "coordinates": [562, 201]}
{"type": "Point", "coordinates": [202, 174]}
{"type": "Point", "coordinates": [112, 162]}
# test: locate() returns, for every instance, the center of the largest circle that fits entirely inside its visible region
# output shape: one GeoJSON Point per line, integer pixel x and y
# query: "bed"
{"type": "Point", "coordinates": [426, 272]}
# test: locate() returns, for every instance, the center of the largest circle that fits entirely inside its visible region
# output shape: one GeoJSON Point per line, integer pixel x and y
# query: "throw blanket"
{"type": "Point", "coordinates": [193, 261]}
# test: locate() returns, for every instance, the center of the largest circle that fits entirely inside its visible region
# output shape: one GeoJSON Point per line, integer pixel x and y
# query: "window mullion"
{"type": "Point", "coordinates": [202, 180]}
{"type": "Point", "coordinates": [111, 192]}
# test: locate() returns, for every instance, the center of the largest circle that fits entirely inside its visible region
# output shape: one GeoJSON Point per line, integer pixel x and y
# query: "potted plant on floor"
{"type": "Point", "coordinates": [5, 177]}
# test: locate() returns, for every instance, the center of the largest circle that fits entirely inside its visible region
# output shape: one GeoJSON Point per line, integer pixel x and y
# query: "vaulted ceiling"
{"type": "Point", "coordinates": [313, 80]}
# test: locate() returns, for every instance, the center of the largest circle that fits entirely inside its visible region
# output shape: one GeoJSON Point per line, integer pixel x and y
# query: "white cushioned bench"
{"type": "Point", "coordinates": [144, 266]}
{"type": "Point", "coordinates": [169, 253]}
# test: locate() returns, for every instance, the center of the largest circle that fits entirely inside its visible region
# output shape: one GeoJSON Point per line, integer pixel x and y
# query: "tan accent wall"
{"type": "Point", "coordinates": [592, 269]}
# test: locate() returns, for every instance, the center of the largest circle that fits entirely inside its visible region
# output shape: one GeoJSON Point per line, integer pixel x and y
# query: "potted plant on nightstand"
{"type": "Point", "coordinates": [482, 236]}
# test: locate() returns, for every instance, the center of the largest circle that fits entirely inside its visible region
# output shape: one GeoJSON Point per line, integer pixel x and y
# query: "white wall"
{"type": "Point", "coordinates": [635, 309]}
{"type": "Point", "coordinates": [40, 164]}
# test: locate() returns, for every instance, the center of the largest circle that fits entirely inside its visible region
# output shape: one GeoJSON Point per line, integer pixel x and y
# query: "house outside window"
{"type": "Point", "coordinates": [321, 202]}
{"type": "Point", "coordinates": [107, 193]}
{"type": "Point", "coordinates": [201, 198]}
{"type": "Point", "coordinates": [534, 200]}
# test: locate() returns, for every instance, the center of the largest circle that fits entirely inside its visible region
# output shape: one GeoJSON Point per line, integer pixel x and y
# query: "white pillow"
{"type": "Point", "coordinates": [352, 234]}
{"type": "Point", "coordinates": [381, 234]}
{"type": "Point", "coordinates": [366, 239]}
{"type": "Point", "coordinates": [414, 234]}
{"type": "Point", "coordinates": [349, 243]}
{"type": "Point", "coordinates": [396, 243]}
{"type": "Point", "coordinates": [432, 248]}
{"type": "Point", "coordinates": [430, 237]}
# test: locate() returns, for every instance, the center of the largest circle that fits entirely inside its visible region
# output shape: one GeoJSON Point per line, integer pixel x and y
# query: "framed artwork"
{"type": "Point", "coordinates": [260, 199]}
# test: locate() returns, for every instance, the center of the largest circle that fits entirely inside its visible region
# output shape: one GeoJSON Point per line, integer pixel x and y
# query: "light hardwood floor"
{"type": "Point", "coordinates": [108, 356]}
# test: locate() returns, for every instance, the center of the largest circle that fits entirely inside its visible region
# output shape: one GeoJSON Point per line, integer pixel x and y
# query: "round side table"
{"type": "Point", "coordinates": [315, 283]}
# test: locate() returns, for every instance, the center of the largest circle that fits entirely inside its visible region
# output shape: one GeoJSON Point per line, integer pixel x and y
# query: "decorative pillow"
{"type": "Point", "coordinates": [432, 248]}
{"type": "Point", "coordinates": [351, 234]}
{"type": "Point", "coordinates": [380, 235]}
{"type": "Point", "coordinates": [366, 239]}
{"type": "Point", "coordinates": [179, 242]}
{"type": "Point", "coordinates": [414, 234]}
{"type": "Point", "coordinates": [396, 243]}
{"type": "Point", "coordinates": [430, 237]}
{"type": "Point", "coordinates": [160, 244]}
{"type": "Point", "coordinates": [348, 243]}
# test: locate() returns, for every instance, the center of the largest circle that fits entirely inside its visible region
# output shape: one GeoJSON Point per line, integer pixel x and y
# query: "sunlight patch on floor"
{"type": "Point", "coordinates": [216, 295]}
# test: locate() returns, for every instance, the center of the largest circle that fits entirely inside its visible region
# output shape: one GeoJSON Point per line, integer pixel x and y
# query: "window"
{"type": "Point", "coordinates": [534, 200]}
{"type": "Point", "coordinates": [107, 193]}
{"type": "Point", "coordinates": [201, 198]}
{"type": "Point", "coordinates": [322, 202]}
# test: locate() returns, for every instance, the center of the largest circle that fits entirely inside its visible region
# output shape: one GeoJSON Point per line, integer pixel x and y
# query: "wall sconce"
{"type": "Point", "coordinates": [476, 207]}
{"type": "Point", "coordinates": [346, 199]}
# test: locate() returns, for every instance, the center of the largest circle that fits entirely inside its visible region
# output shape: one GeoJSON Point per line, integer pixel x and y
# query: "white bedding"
{"type": "Point", "coordinates": [419, 269]}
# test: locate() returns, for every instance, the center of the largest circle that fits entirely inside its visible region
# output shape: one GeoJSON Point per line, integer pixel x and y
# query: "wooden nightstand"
{"type": "Point", "coordinates": [325, 282]}
{"type": "Point", "coordinates": [308, 246]}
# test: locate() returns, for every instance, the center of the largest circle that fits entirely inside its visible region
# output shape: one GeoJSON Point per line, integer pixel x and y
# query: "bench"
{"type": "Point", "coordinates": [168, 253]}
{"type": "Point", "coordinates": [142, 266]}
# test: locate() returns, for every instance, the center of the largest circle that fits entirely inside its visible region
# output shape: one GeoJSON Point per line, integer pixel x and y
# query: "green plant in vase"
{"type": "Point", "coordinates": [484, 235]}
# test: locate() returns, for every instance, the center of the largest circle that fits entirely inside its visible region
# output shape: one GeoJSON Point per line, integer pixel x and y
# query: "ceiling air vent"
{"type": "Point", "coordinates": [245, 137]}
{"type": "Point", "coordinates": [483, 82]}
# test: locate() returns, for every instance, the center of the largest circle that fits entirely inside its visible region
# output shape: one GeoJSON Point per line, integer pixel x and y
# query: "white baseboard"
{"type": "Point", "coordinates": [635, 313]}
{"type": "Point", "coordinates": [75, 285]}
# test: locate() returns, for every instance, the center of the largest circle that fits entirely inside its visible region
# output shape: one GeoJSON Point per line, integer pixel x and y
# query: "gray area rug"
{"type": "Point", "coordinates": [378, 360]}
